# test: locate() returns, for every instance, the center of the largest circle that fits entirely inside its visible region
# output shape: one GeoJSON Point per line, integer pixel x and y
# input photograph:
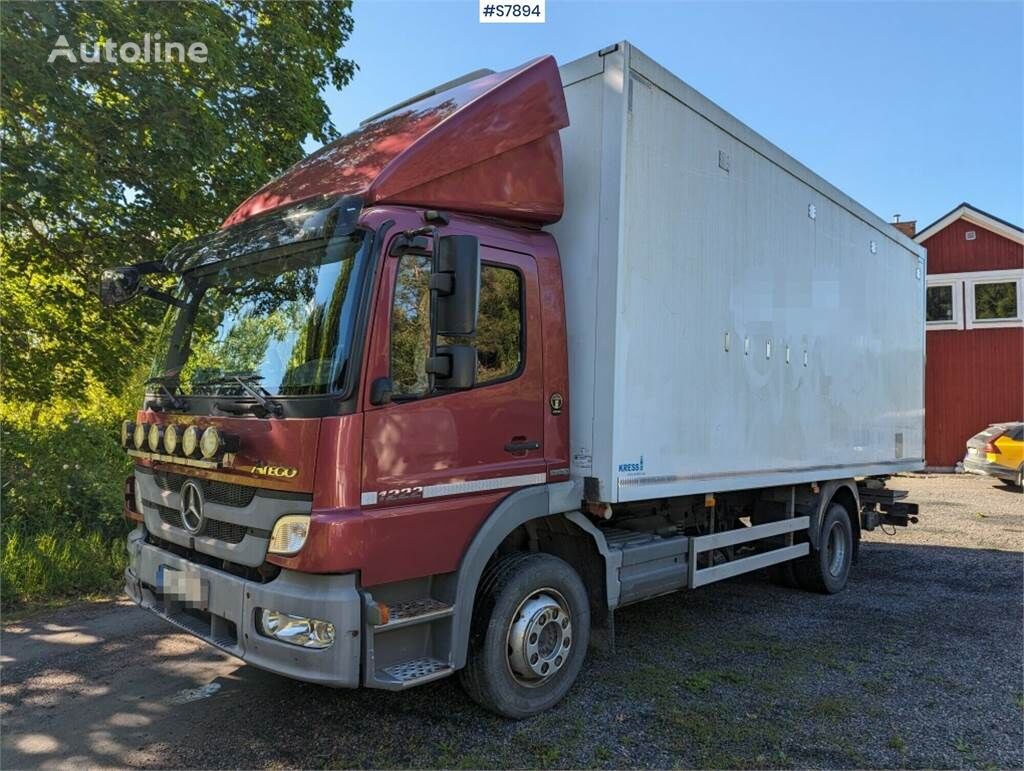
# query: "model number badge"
{"type": "Point", "coordinates": [400, 494]}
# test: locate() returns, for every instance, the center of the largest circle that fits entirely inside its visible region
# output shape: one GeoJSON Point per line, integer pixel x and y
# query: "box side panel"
{"type": "Point", "coordinates": [759, 340]}
{"type": "Point", "coordinates": [588, 237]}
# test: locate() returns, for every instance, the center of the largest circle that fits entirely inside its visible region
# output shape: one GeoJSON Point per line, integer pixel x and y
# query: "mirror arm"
{"type": "Point", "coordinates": [151, 266]}
{"type": "Point", "coordinates": [434, 233]}
{"type": "Point", "coordinates": [164, 297]}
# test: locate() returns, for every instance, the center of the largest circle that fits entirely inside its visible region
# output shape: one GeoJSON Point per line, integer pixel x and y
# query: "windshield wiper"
{"type": "Point", "coordinates": [249, 383]}
{"type": "Point", "coordinates": [176, 402]}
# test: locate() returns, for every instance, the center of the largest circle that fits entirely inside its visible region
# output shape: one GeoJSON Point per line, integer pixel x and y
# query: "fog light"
{"type": "Point", "coordinates": [211, 443]}
{"type": "Point", "coordinates": [190, 442]}
{"type": "Point", "coordinates": [297, 630]}
{"type": "Point", "coordinates": [289, 534]}
{"type": "Point", "coordinates": [127, 433]}
{"type": "Point", "coordinates": [139, 437]}
{"type": "Point", "coordinates": [156, 436]}
{"type": "Point", "coordinates": [171, 440]}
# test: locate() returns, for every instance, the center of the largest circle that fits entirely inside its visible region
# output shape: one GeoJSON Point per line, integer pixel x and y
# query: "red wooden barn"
{"type": "Point", "coordinates": [974, 373]}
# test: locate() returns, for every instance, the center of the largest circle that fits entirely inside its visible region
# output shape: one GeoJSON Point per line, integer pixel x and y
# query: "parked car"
{"type": "Point", "coordinates": [998, 451]}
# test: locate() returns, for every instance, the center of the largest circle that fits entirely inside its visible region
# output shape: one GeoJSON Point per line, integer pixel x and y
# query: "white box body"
{"type": "Point", "coordinates": [734, 321]}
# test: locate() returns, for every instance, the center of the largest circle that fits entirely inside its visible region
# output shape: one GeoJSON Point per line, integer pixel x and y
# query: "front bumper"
{"type": "Point", "coordinates": [973, 465]}
{"type": "Point", "coordinates": [224, 613]}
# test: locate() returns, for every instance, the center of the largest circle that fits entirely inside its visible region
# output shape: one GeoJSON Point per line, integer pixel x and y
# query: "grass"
{"type": "Point", "coordinates": [48, 567]}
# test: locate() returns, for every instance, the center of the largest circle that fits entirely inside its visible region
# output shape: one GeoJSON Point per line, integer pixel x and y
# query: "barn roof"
{"type": "Point", "coordinates": [978, 217]}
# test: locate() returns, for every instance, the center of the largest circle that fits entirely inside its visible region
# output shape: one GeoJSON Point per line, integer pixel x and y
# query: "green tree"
{"type": "Point", "coordinates": [109, 163]}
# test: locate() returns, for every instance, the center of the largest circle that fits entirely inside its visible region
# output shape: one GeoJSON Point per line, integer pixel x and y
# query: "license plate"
{"type": "Point", "coordinates": [182, 586]}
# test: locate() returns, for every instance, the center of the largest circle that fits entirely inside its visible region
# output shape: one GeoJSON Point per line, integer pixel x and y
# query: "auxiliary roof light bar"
{"type": "Point", "coordinates": [173, 443]}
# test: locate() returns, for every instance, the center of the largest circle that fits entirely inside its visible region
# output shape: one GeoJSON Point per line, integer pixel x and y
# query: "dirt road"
{"type": "Point", "coordinates": [918, 663]}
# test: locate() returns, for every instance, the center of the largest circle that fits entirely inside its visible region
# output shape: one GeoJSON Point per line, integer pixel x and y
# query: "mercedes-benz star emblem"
{"type": "Point", "coordinates": [192, 518]}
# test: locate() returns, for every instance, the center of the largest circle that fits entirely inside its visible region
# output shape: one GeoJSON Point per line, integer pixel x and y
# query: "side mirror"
{"type": "Point", "coordinates": [453, 368]}
{"type": "Point", "coordinates": [456, 278]}
{"type": "Point", "coordinates": [119, 285]}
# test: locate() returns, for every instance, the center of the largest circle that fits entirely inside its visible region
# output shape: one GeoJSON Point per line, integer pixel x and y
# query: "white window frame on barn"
{"type": "Point", "coordinates": [994, 277]}
{"type": "Point", "coordinates": [957, 286]}
{"type": "Point", "coordinates": [964, 312]}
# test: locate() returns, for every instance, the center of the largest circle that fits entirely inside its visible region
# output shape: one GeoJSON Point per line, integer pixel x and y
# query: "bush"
{"type": "Point", "coordinates": [62, 532]}
{"type": "Point", "coordinates": [68, 563]}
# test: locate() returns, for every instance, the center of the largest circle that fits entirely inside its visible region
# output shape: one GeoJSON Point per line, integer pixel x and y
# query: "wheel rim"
{"type": "Point", "coordinates": [539, 637]}
{"type": "Point", "coordinates": [836, 552]}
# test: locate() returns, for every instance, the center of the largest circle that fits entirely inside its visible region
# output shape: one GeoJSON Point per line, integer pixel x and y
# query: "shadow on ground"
{"type": "Point", "coordinates": [917, 664]}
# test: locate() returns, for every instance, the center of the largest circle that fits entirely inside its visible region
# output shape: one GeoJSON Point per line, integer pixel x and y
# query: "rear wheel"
{"type": "Point", "coordinates": [1018, 482]}
{"type": "Point", "coordinates": [531, 626]}
{"type": "Point", "coordinates": [827, 568]}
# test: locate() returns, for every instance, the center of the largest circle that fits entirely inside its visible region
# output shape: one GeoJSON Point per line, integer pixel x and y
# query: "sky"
{"type": "Point", "coordinates": [909, 108]}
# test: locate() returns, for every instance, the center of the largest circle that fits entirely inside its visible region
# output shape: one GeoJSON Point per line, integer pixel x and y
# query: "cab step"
{"type": "Point", "coordinates": [409, 612]}
{"type": "Point", "coordinates": [414, 672]}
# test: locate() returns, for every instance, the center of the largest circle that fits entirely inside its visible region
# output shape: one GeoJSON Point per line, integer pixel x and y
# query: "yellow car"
{"type": "Point", "coordinates": [998, 451]}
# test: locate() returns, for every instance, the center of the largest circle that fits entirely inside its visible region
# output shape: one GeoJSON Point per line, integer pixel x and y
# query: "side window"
{"type": "Point", "coordinates": [499, 330]}
{"type": "Point", "coordinates": [410, 327]}
{"type": "Point", "coordinates": [499, 334]}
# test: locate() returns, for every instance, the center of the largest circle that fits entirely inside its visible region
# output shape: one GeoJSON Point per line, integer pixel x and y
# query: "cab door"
{"type": "Point", "coordinates": [442, 460]}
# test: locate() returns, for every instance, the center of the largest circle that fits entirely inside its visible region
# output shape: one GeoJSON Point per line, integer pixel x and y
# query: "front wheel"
{"type": "Point", "coordinates": [531, 626]}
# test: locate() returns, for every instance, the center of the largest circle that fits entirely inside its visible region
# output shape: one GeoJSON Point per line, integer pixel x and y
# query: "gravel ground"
{"type": "Point", "coordinates": [917, 664]}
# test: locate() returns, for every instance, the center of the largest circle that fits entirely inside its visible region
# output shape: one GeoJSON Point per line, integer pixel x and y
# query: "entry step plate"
{"type": "Point", "coordinates": [417, 671]}
{"type": "Point", "coordinates": [414, 612]}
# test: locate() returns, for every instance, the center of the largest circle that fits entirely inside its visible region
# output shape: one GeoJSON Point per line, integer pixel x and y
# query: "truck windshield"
{"type": "Point", "coordinates": [280, 323]}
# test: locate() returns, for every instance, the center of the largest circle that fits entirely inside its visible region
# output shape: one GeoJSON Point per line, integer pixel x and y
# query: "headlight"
{"type": "Point", "coordinates": [171, 440]}
{"type": "Point", "coordinates": [289, 534]}
{"type": "Point", "coordinates": [156, 434]}
{"type": "Point", "coordinates": [139, 437]}
{"type": "Point", "coordinates": [297, 630]}
{"type": "Point", "coordinates": [190, 441]}
{"type": "Point", "coordinates": [211, 442]}
{"type": "Point", "coordinates": [127, 433]}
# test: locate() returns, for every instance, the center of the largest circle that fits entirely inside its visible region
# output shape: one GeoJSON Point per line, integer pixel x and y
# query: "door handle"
{"type": "Point", "coordinates": [521, 444]}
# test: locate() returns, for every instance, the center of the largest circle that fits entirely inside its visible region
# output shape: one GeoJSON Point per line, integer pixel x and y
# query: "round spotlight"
{"type": "Point", "coordinates": [127, 433]}
{"type": "Point", "coordinates": [139, 435]}
{"type": "Point", "coordinates": [211, 442]}
{"type": "Point", "coordinates": [156, 435]}
{"type": "Point", "coordinates": [190, 442]}
{"type": "Point", "coordinates": [171, 437]}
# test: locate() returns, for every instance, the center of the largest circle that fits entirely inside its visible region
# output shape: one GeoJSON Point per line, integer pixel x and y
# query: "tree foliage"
{"type": "Point", "coordinates": [106, 164]}
{"type": "Point", "coordinates": [110, 163]}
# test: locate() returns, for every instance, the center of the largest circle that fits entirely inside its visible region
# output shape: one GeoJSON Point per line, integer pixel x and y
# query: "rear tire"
{"type": "Point", "coordinates": [827, 569]}
{"type": "Point", "coordinates": [1018, 482]}
{"type": "Point", "coordinates": [529, 635]}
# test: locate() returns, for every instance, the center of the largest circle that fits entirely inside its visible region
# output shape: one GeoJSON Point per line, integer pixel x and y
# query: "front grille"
{"type": "Point", "coordinates": [215, 491]}
{"type": "Point", "coordinates": [228, 532]}
{"type": "Point", "coordinates": [263, 574]}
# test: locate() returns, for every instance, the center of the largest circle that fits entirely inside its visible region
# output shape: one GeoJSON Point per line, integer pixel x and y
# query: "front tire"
{"type": "Point", "coordinates": [827, 568]}
{"type": "Point", "coordinates": [529, 636]}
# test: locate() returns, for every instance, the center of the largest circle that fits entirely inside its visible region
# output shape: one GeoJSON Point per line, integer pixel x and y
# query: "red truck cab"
{"type": "Point", "coordinates": [328, 533]}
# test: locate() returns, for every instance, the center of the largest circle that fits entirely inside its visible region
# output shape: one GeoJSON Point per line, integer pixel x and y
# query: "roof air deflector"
{"type": "Point", "coordinates": [474, 75]}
